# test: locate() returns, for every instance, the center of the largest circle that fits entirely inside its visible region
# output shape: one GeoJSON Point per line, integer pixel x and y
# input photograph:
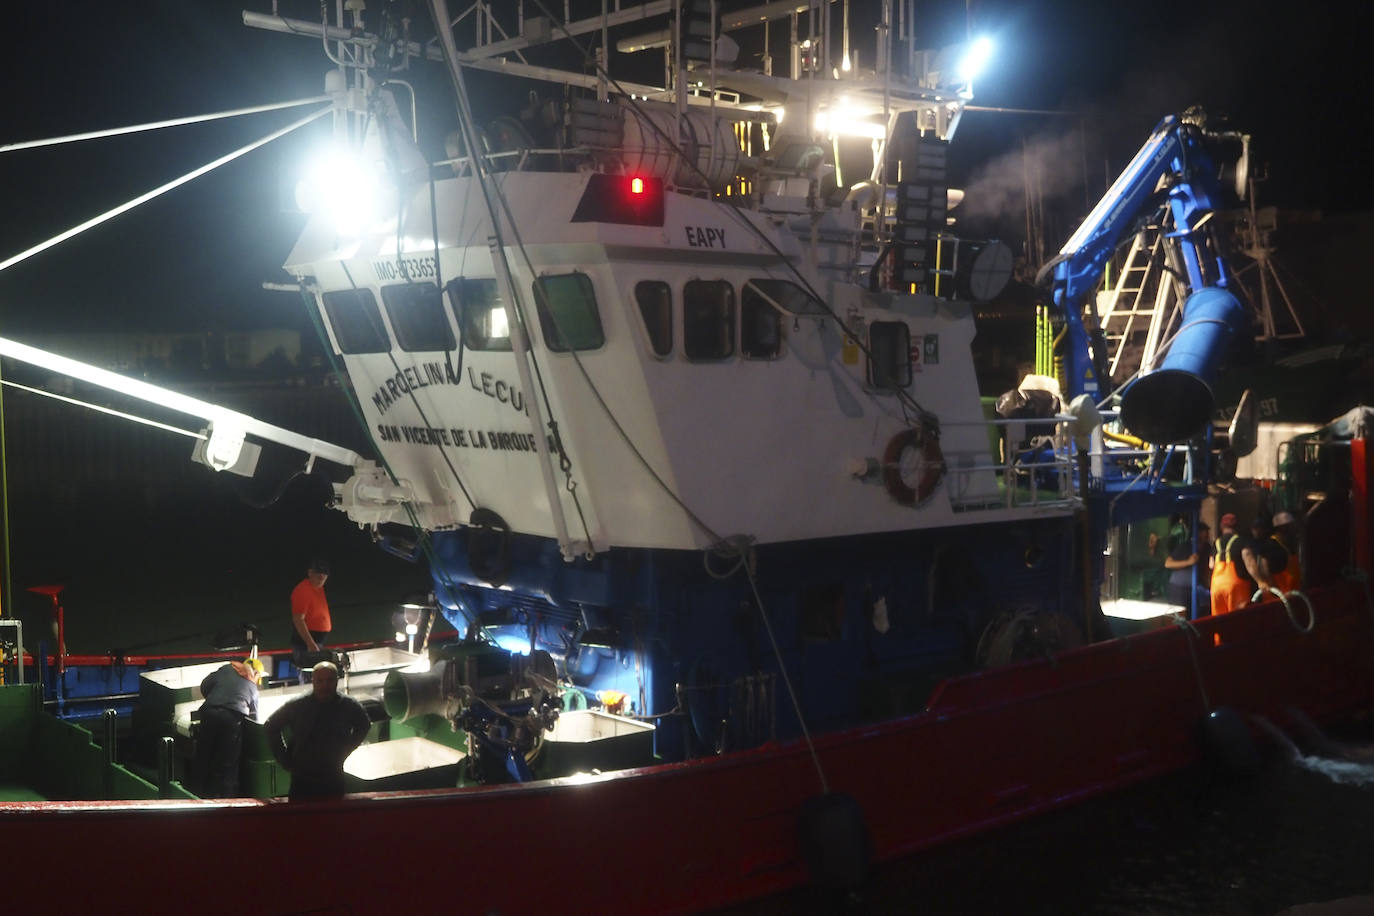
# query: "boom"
{"type": "Point", "coordinates": [1171, 178]}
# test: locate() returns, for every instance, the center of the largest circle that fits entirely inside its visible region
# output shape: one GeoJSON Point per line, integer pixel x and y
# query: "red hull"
{"type": "Point", "coordinates": [993, 747]}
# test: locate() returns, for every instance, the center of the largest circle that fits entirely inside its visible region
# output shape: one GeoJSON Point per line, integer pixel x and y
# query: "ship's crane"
{"type": "Point", "coordinates": [1173, 179]}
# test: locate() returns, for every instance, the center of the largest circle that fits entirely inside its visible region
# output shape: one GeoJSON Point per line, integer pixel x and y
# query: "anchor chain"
{"type": "Point", "coordinates": [565, 465]}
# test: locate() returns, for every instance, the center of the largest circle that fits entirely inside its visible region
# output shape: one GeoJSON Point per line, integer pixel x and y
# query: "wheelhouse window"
{"type": "Point", "coordinates": [785, 295]}
{"type": "Point", "coordinates": [655, 300]}
{"type": "Point", "coordinates": [417, 316]}
{"type": "Point", "coordinates": [567, 312]}
{"type": "Point", "coordinates": [481, 314]}
{"type": "Point", "coordinates": [760, 332]}
{"type": "Point", "coordinates": [708, 319]}
{"type": "Point", "coordinates": [889, 365]}
{"type": "Point", "coordinates": [356, 321]}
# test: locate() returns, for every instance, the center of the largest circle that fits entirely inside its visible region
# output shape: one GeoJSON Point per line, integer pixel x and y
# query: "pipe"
{"type": "Point", "coordinates": [1174, 402]}
{"type": "Point", "coordinates": [166, 766]}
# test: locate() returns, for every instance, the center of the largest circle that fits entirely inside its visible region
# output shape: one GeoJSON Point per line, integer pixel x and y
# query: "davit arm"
{"type": "Point", "coordinates": [1173, 170]}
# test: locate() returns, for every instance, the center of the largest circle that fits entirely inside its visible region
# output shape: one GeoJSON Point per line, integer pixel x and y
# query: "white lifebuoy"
{"type": "Point", "coordinates": [912, 466]}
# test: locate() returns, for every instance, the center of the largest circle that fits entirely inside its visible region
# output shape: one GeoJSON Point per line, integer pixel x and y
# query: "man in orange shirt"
{"type": "Point", "coordinates": [310, 614]}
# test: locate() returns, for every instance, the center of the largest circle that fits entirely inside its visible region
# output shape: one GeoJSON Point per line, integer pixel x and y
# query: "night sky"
{"type": "Point", "coordinates": [195, 259]}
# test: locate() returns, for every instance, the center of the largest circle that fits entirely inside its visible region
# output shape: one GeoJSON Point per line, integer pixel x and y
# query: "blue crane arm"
{"type": "Point", "coordinates": [1173, 166]}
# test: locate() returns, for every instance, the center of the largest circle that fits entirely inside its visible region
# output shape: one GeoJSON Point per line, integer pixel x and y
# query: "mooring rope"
{"type": "Point", "coordinates": [1191, 633]}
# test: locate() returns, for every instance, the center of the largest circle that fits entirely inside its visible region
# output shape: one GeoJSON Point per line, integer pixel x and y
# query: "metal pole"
{"type": "Point", "coordinates": [505, 282]}
{"type": "Point", "coordinates": [166, 766]}
{"type": "Point", "coordinates": [6, 583]}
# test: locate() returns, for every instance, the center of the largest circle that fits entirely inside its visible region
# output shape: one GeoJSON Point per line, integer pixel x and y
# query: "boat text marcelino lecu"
{"type": "Point", "coordinates": [754, 584]}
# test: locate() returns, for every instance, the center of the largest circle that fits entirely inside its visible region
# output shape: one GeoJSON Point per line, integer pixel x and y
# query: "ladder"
{"type": "Point", "coordinates": [1140, 307]}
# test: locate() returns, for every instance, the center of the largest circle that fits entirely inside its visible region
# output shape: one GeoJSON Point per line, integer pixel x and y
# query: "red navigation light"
{"type": "Point", "coordinates": [630, 200]}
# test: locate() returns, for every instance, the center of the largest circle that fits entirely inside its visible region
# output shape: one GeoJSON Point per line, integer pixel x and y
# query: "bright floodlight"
{"type": "Point", "coordinates": [975, 59]}
{"type": "Point", "coordinates": [845, 123]}
{"type": "Point", "coordinates": [341, 186]}
{"type": "Point", "coordinates": [225, 445]}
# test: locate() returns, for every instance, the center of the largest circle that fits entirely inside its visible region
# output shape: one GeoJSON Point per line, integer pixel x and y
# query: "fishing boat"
{"type": "Point", "coordinates": [751, 585]}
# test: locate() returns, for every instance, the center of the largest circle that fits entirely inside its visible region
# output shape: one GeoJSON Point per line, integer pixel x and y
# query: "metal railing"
{"type": "Point", "coordinates": [18, 650]}
{"type": "Point", "coordinates": [1019, 470]}
{"type": "Point", "coordinates": [1005, 475]}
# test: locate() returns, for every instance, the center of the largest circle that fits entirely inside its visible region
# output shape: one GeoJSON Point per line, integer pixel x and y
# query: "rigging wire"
{"type": "Point", "coordinates": [158, 125]}
{"type": "Point", "coordinates": [721, 543]}
{"type": "Point", "coordinates": [351, 396]}
{"type": "Point", "coordinates": [123, 415]}
{"type": "Point", "coordinates": [468, 123]}
{"type": "Point", "coordinates": [786, 678]}
{"type": "Point", "coordinates": [422, 535]}
{"type": "Point", "coordinates": [391, 356]}
{"type": "Point", "coordinates": [497, 191]}
{"type": "Point", "coordinates": [904, 398]}
{"type": "Point", "coordinates": [736, 213]}
{"type": "Point", "coordinates": [158, 191]}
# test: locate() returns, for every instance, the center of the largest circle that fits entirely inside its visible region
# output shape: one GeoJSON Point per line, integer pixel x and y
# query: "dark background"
{"type": "Point", "coordinates": [196, 257]}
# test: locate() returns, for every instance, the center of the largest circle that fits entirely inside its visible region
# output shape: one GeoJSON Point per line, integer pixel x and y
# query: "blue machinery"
{"type": "Point", "coordinates": [1172, 178]}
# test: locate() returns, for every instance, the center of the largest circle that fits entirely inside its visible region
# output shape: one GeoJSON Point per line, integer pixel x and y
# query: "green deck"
{"type": "Point", "coordinates": [43, 758]}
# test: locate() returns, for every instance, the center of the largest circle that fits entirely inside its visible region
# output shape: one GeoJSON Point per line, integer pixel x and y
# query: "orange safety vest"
{"type": "Point", "coordinates": [1230, 590]}
{"type": "Point", "coordinates": [1290, 577]}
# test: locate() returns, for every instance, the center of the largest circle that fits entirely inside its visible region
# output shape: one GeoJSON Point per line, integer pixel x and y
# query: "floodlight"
{"type": "Point", "coordinates": [975, 58]}
{"type": "Point", "coordinates": [846, 123]}
{"type": "Point", "coordinates": [341, 186]}
{"type": "Point", "coordinates": [224, 445]}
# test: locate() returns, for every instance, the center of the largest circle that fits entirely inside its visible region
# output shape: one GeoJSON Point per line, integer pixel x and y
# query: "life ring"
{"type": "Point", "coordinates": [912, 465]}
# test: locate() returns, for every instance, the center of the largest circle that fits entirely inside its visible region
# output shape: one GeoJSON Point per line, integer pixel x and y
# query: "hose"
{"type": "Point", "coordinates": [1311, 614]}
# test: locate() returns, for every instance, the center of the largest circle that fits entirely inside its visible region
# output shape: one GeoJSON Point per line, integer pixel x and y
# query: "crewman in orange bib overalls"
{"type": "Point", "coordinates": [1235, 570]}
{"type": "Point", "coordinates": [1285, 536]}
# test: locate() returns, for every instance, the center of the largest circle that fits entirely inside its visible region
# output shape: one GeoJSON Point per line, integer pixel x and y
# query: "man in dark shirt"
{"type": "Point", "coordinates": [1273, 556]}
{"type": "Point", "coordinates": [1187, 565]}
{"type": "Point", "coordinates": [231, 695]}
{"type": "Point", "coordinates": [325, 726]}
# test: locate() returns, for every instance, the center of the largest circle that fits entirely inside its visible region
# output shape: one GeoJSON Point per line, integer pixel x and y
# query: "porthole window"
{"type": "Point", "coordinates": [417, 316]}
{"type": "Point", "coordinates": [567, 312]}
{"type": "Point", "coordinates": [655, 300]}
{"type": "Point", "coordinates": [708, 319]}
{"type": "Point", "coordinates": [356, 321]}
{"type": "Point", "coordinates": [481, 314]}
{"type": "Point", "coordinates": [889, 363]}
